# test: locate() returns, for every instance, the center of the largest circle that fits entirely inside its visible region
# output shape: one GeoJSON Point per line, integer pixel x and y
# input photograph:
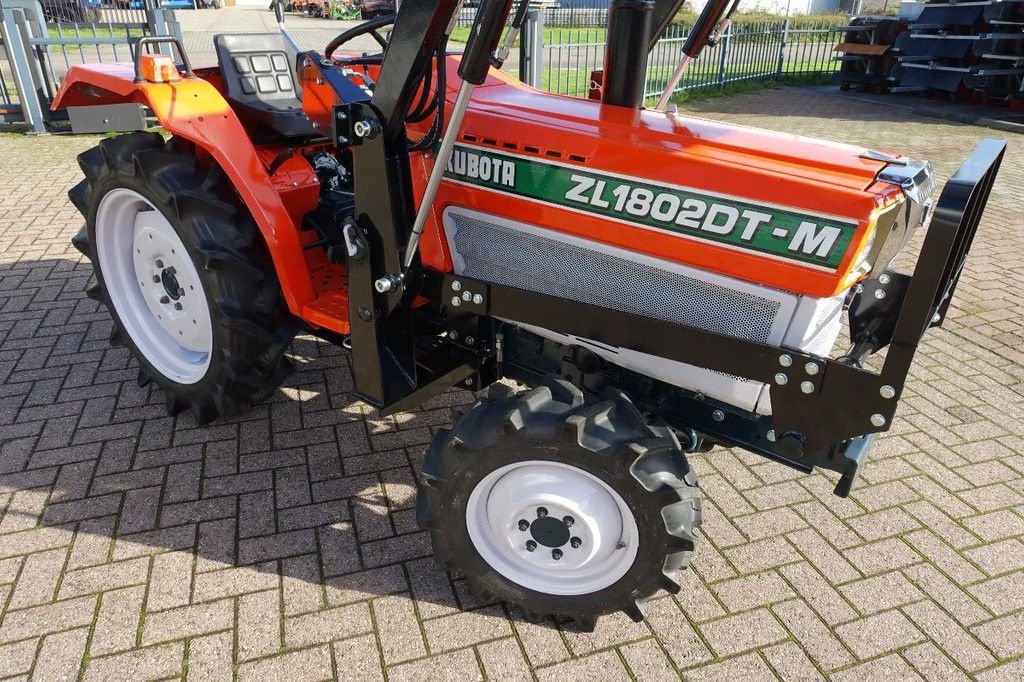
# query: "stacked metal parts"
{"type": "Point", "coordinates": [971, 50]}
{"type": "Point", "coordinates": [869, 54]}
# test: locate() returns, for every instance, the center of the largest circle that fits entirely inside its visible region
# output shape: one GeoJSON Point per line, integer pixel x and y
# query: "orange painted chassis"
{"type": "Point", "coordinates": [507, 116]}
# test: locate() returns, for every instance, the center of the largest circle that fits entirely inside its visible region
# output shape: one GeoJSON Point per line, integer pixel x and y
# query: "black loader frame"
{"type": "Point", "coordinates": [825, 411]}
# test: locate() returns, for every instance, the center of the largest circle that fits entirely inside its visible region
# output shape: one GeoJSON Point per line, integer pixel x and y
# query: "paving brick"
{"type": "Point", "coordinates": [117, 624]}
{"type": "Point", "coordinates": [306, 664]}
{"type": "Point", "coordinates": [605, 665]}
{"type": "Point", "coordinates": [358, 658]}
{"type": "Point", "coordinates": [258, 627]}
{"type": "Point", "coordinates": [139, 664]}
{"type": "Point", "coordinates": [234, 581]}
{"type": "Point", "coordinates": [209, 657]}
{"type": "Point", "coordinates": [327, 625]}
{"type": "Point", "coordinates": [300, 584]}
{"type": "Point", "coordinates": [742, 594]}
{"type": "Point", "coordinates": [431, 589]}
{"type": "Point", "coordinates": [881, 593]}
{"type": "Point", "coordinates": [878, 634]}
{"type": "Point", "coordinates": [770, 523]}
{"type": "Point", "coordinates": [884, 524]}
{"type": "Point", "coordinates": [398, 629]}
{"type": "Point", "coordinates": [1001, 595]}
{"type": "Point", "coordinates": [542, 643]}
{"type": "Point", "coordinates": [997, 525]}
{"type": "Point", "coordinates": [887, 555]}
{"type": "Point", "coordinates": [39, 577]}
{"type": "Point", "coordinates": [1004, 635]}
{"type": "Point", "coordinates": [17, 658]}
{"type": "Point", "coordinates": [741, 632]}
{"type": "Point", "coordinates": [92, 543]}
{"type": "Point", "coordinates": [932, 663]}
{"type": "Point", "coordinates": [1008, 672]}
{"type": "Point", "coordinates": [824, 557]}
{"type": "Point", "coordinates": [814, 636]}
{"type": "Point", "coordinates": [503, 659]}
{"type": "Point", "coordinates": [941, 524]}
{"type": "Point", "coordinates": [749, 667]}
{"type": "Point", "coordinates": [818, 593]}
{"type": "Point", "coordinates": [364, 585]}
{"type": "Point", "coordinates": [997, 558]}
{"type": "Point", "coordinates": [890, 667]}
{"type": "Point", "coordinates": [680, 640]}
{"type": "Point", "coordinates": [60, 656]}
{"type": "Point", "coordinates": [276, 546]}
{"type": "Point", "coordinates": [170, 581]}
{"type": "Point", "coordinates": [41, 620]}
{"type": "Point", "coordinates": [466, 628]}
{"type": "Point", "coordinates": [188, 621]}
{"type": "Point", "coordinates": [790, 662]}
{"type": "Point", "coordinates": [947, 594]}
{"type": "Point", "coordinates": [104, 577]}
{"type": "Point", "coordinates": [762, 554]}
{"type": "Point", "coordinates": [948, 635]}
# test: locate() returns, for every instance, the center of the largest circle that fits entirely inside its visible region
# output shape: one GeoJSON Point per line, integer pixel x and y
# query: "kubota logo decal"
{"type": "Point", "coordinates": [779, 232]}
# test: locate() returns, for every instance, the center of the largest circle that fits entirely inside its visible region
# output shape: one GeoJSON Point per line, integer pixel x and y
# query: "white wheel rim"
{"type": "Point", "coordinates": [143, 260]}
{"type": "Point", "coordinates": [596, 550]}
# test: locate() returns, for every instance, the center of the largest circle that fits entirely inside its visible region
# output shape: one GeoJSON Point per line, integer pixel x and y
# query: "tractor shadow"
{"type": "Point", "coordinates": [313, 486]}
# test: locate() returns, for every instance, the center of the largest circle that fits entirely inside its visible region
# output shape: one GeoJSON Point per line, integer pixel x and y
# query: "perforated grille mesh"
{"type": "Point", "coordinates": [528, 261]}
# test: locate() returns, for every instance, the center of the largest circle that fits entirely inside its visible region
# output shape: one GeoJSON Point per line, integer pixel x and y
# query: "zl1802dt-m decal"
{"type": "Point", "coordinates": [789, 234]}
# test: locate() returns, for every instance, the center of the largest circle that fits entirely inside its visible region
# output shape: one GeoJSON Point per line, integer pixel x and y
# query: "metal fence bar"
{"type": "Point", "coordinates": [14, 37]}
{"type": "Point", "coordinates": [745, 52]}
{"type": "Point", "coordinates": [43, 40]}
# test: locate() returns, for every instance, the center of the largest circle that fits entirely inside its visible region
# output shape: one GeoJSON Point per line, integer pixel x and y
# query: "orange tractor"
{"type": "Point", "coordinates": [658, 284]}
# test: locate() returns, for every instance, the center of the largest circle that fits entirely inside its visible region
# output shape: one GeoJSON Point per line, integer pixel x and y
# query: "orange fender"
{"type": "Point", "coordinates": [195, 110]}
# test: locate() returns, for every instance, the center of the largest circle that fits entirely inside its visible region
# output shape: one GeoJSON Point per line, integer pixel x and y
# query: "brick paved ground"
{"type": "Point", "coordinates": [283, 545]}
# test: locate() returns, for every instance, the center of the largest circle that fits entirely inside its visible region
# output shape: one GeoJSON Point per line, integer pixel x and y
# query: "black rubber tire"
{"type": "Point", "coordinates": [251, 324]}
{"type": "Point", "coordinates": [607, 438]}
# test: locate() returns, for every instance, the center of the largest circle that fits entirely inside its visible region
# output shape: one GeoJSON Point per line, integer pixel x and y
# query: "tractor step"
{"type": "Point", "coordinates": [330, 308]}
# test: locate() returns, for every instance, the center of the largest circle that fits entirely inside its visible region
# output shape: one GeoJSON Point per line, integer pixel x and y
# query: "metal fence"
{"type": "Point", "coordinates": [43, 39]}
{"type": "Point", "coordinates": [10, 105]}
{"type": "Point", "coordinates": [97, 11]}
{"type": "Point", "coordinates": [577, 17]}
{"type": "Point", "coordinates": [744, 52]}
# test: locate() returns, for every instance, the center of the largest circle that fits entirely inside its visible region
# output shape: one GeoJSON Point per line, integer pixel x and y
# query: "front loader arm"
{"type": "Point", "coordinates": [195, 110]}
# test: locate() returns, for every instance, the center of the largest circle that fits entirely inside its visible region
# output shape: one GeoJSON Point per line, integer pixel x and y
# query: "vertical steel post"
{"type": "Point", "coordinates": [724, 63]}
{"type": "Point", "coordinates": [18, 48]}
{"type": "Point", "coordinates": [782, 49]}
{"type": "Point", "coordinates": [531, 48]}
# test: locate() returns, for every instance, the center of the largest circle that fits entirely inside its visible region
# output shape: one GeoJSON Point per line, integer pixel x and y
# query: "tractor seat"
{"type": "Point", "coordinates": [260, 83]}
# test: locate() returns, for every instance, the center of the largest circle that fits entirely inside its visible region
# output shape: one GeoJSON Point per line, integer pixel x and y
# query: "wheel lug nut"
{"type": "Point", "coordinates": [575, 543]}
{"type": "Point", "coordinates": [556, 554]}
{"type": "Point", "coordinates": [530, 545]}
{"type": "Point", "coordinates": [165, 300]}
{"type": "Point", "coordinates": [160, 264]}
{"type": "Point", "coordinates": [177, 306]}
{"type": "Point", "coordinates": [541, 512]}
{"type": "Point", "coordinates": [524, 525]}
{"type": "Point", "coordinates": [171, 271]}
{"type": "Point", "coordinates": [156, 279]}
{"type": "Point", "coordinates": [568, 521]}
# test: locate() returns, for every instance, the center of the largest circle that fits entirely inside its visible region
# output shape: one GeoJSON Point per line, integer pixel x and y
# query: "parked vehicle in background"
{"type": "Point", "coordinates": [70, 10]}
{"type": "Point", "coordinates": [370, 9]}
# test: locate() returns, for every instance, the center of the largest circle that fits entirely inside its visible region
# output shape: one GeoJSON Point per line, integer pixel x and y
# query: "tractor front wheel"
{"type": "Point", "coordinates": [560, 506]}
{"type": "Point", "coordinates": [178, 263]}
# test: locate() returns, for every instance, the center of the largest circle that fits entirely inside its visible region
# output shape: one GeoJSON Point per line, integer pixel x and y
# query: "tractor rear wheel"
{"type": "Point", "coordinates": [179, 265]}
{"type": "Point", "coordinates": [562, 507]}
